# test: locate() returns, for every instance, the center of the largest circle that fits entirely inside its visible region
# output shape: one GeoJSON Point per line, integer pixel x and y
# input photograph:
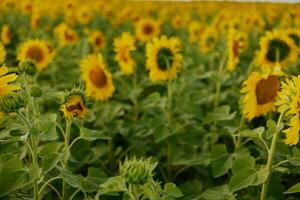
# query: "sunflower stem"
{"type": "Point", "coordinates": [66, 155]}
{"type": "Point", "coordinates": [271, 153]}
{"type": "Point", "coordinates": [239, 138]}
{"type": "Point", "coordinates": [219, 82]}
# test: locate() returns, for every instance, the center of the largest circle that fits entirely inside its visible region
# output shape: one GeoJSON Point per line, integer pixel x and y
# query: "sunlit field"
{"type": "Point", "coordinates": [121, 100]}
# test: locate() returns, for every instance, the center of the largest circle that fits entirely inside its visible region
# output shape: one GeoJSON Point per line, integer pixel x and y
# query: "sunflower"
{"type": "Point", "coordinates": [237, 42]}
{"type": "Point", "coordinates": [84, 15]}
{"type": "Point", "coordinates": [97, 78]}
{"type": "Point", "coordinates": [65, 34]}
{"type": "Point", "coordinates": [163, 58]}
{"type": "Point", "coordinates": [74, 104]}
{"type": "Point", "coordinates": [96, 39]}
{"type": "Point", "coordinates": [294, 34]}
{"type": "Point", "coordinates": [36, 51]}
{"type": "Point", "coordinates": [289, 102]}
{"type": "Point", "coordinates": [146, 29]}
{"type": "Point", "coordinates": [276, 47]}
{"type": "Point", "coordinates": [2, 53]}
{"type": "Point", "coordinates": [123, 45]}
{"type": "Point", "coordinates": [6, 35]}
{"type": "Point", "coordinates": [195, 31]}
{"type": "Point", "coordinates": [260, 92]}
{"type": "Point", "coordinates": [5, 78]}
{"type": "Point", "coordinates": [208, 40]}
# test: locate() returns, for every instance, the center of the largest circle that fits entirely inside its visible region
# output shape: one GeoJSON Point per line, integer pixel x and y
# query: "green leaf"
{"type": "Point", "coordinates": [221, 160]}
{"type": "Point", "coordinates": [14, 176]}
{"type": "Point", "coordinates": [242, 179]}
{"type": "Point", "coordinates": [294, 189]}
{"type": "Point", "coordinates": [295, 158]}
{"type": "Point", "coordinates": [47, 127]}
{"type": "Point", "coordinates": [221, 113]}
{"type": "Point", "coordinates": [113, 184]}
{"type": "Point", "coordinates": [191, 187]}
{"type": "Point", "coordinates": [243, 162]}
{"type": "Point", "coordinates": [218, 193]}
{"type": "Point", "coordinates": [271, 126]}
{"type": "Point", "coordinates": [91, 135]}
{"type": "Point", "coordinates": [171, 190]}
{"type": "Point", "coordinates": [161, 133]}
{"type": "Point", "coordinates": [255, 133]}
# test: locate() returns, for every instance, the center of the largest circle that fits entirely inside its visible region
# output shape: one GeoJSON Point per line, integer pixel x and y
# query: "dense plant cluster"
{"type": "Point", "coordinates": [149, 100]}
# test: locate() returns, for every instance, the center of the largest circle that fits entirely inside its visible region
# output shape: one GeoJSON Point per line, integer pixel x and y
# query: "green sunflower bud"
{"type": "Point", "coordinates": [137, 172]}
{"type": "Point", "coordinates": [12, 102]}
{"type": "Point", "coordinates": [28, 68]}
{"type": "Point", "coordinates": [35, 92]}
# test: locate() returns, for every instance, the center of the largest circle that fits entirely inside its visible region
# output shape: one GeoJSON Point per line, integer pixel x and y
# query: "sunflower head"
{"type": "Point", "coordinates": [146, 29]}
{"type": "Point", "coordinates": [96, 39]}
{"type": "Point", "coordinates": [276, 47]}
{"type": "Point", "coordinates": [260, 92]}
{"type": "Point", "coordinates": [6, 35]}
{"type": "Point", "coordinates": [208, 40]}
{"type": "Point", "coordinates": [289, 102]}
{"type": "Point", "coordinates": [74, 103]}
{"type": "Point", "coordinates": [97, 78]}
{"type": "Point", "coordinates": [137, 171]}
{"type": "Point", "coordinates": [294, 34]}
{"type": "Point", "coordinates": [12, 102]}
{"type": "Point", "coordinates": [163, 58]}
{"type": "Point", "coordinates": [37, 51]}
{"type": "Point", "coordinates": [123, 46]}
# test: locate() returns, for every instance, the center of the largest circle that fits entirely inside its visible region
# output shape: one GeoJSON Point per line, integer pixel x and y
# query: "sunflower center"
{"type": "Point", "coordinates": [210, 40]}
{"type": "Point", "coordinates": [278, 50]}
{"type": "Point", "coordinates": [76, 107]}
{"type": "Point", "coordinates": [295, 38]}
{"type": "Point", "coordinates": [148, 29]}
{"type": "Point", "coordinates": [235, 48]}
{"type": "Point", "coordinates": [35, 53]}
{"type": "Point", "coordinates": [164, 58]}
{"type": "Point", "coordinates": [98, 77]}
{"type": "Point", "coordinates": [98, 41]}
{"type": "Point", "coordinates": [266, 89]}
{"type": "Point", "coordinates": [69, 36]}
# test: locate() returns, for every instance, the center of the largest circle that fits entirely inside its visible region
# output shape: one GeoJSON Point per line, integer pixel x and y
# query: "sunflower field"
{"type": "Point", "coordinates": [134, 100]}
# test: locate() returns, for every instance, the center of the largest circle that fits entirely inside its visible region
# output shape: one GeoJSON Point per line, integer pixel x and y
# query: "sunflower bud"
{"type": "Point", "coordinates": [137, 172]}
{"type": "Point", "coordinates": [35, 92]}
{"type": "Point", "coordinates": [12, 102]}
{"type": "Point", "coordinates": [28, 67]}
{"type": "Point", "coordinates": [74, 104]}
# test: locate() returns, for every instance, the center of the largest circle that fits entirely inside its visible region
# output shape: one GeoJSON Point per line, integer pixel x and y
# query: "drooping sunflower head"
{"type": "Point", "coordinates": [96, 39]}
{"type": "Point", "coordinates": [2, 53]}
{"type": "Point", "coordinates": [260, 92]}
{"type": "Point", "coordinates": [97, 78]}
{"type": "Point", "coordinates": [123, 46]}
{"type": "Point", "coordinates": [208, 40]}
{"type": "Point", "coordinates": [163, 58]}
{"type": "Point", "coordinates": [146, 29]}
{"type": "Point", "coordinates": [74, 104]}
{"type": "Point", "coordinates": [6, 35]}
{"type": "Point", "coordinates": [276, 47]}
{"type": "Point", "coordinates": [289, 102]}
{"type": "Point", "coordinates": [237, 42]}
{"type": "Point", "coordinates": [5, 79]}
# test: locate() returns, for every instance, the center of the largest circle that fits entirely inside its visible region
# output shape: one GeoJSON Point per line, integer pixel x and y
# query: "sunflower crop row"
{"type": "Point", "coordinates": [149, 100]}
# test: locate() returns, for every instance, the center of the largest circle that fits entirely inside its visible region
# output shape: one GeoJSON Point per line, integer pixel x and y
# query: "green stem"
{"type": "Point", "coordinates": [135, 98]}
{"type": "Point", "coordinates": [66, 155]}
{"type": "Point", "coordinates": [239, 138]}
{"type": "Point", "coordinates": [34, 162]}
{"type": "Point", "coordinates": [218, 82]}
{"type": "Point", "coordinates": [265, 185]}
{"type": "Point", "coordinates": [47, 183]}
